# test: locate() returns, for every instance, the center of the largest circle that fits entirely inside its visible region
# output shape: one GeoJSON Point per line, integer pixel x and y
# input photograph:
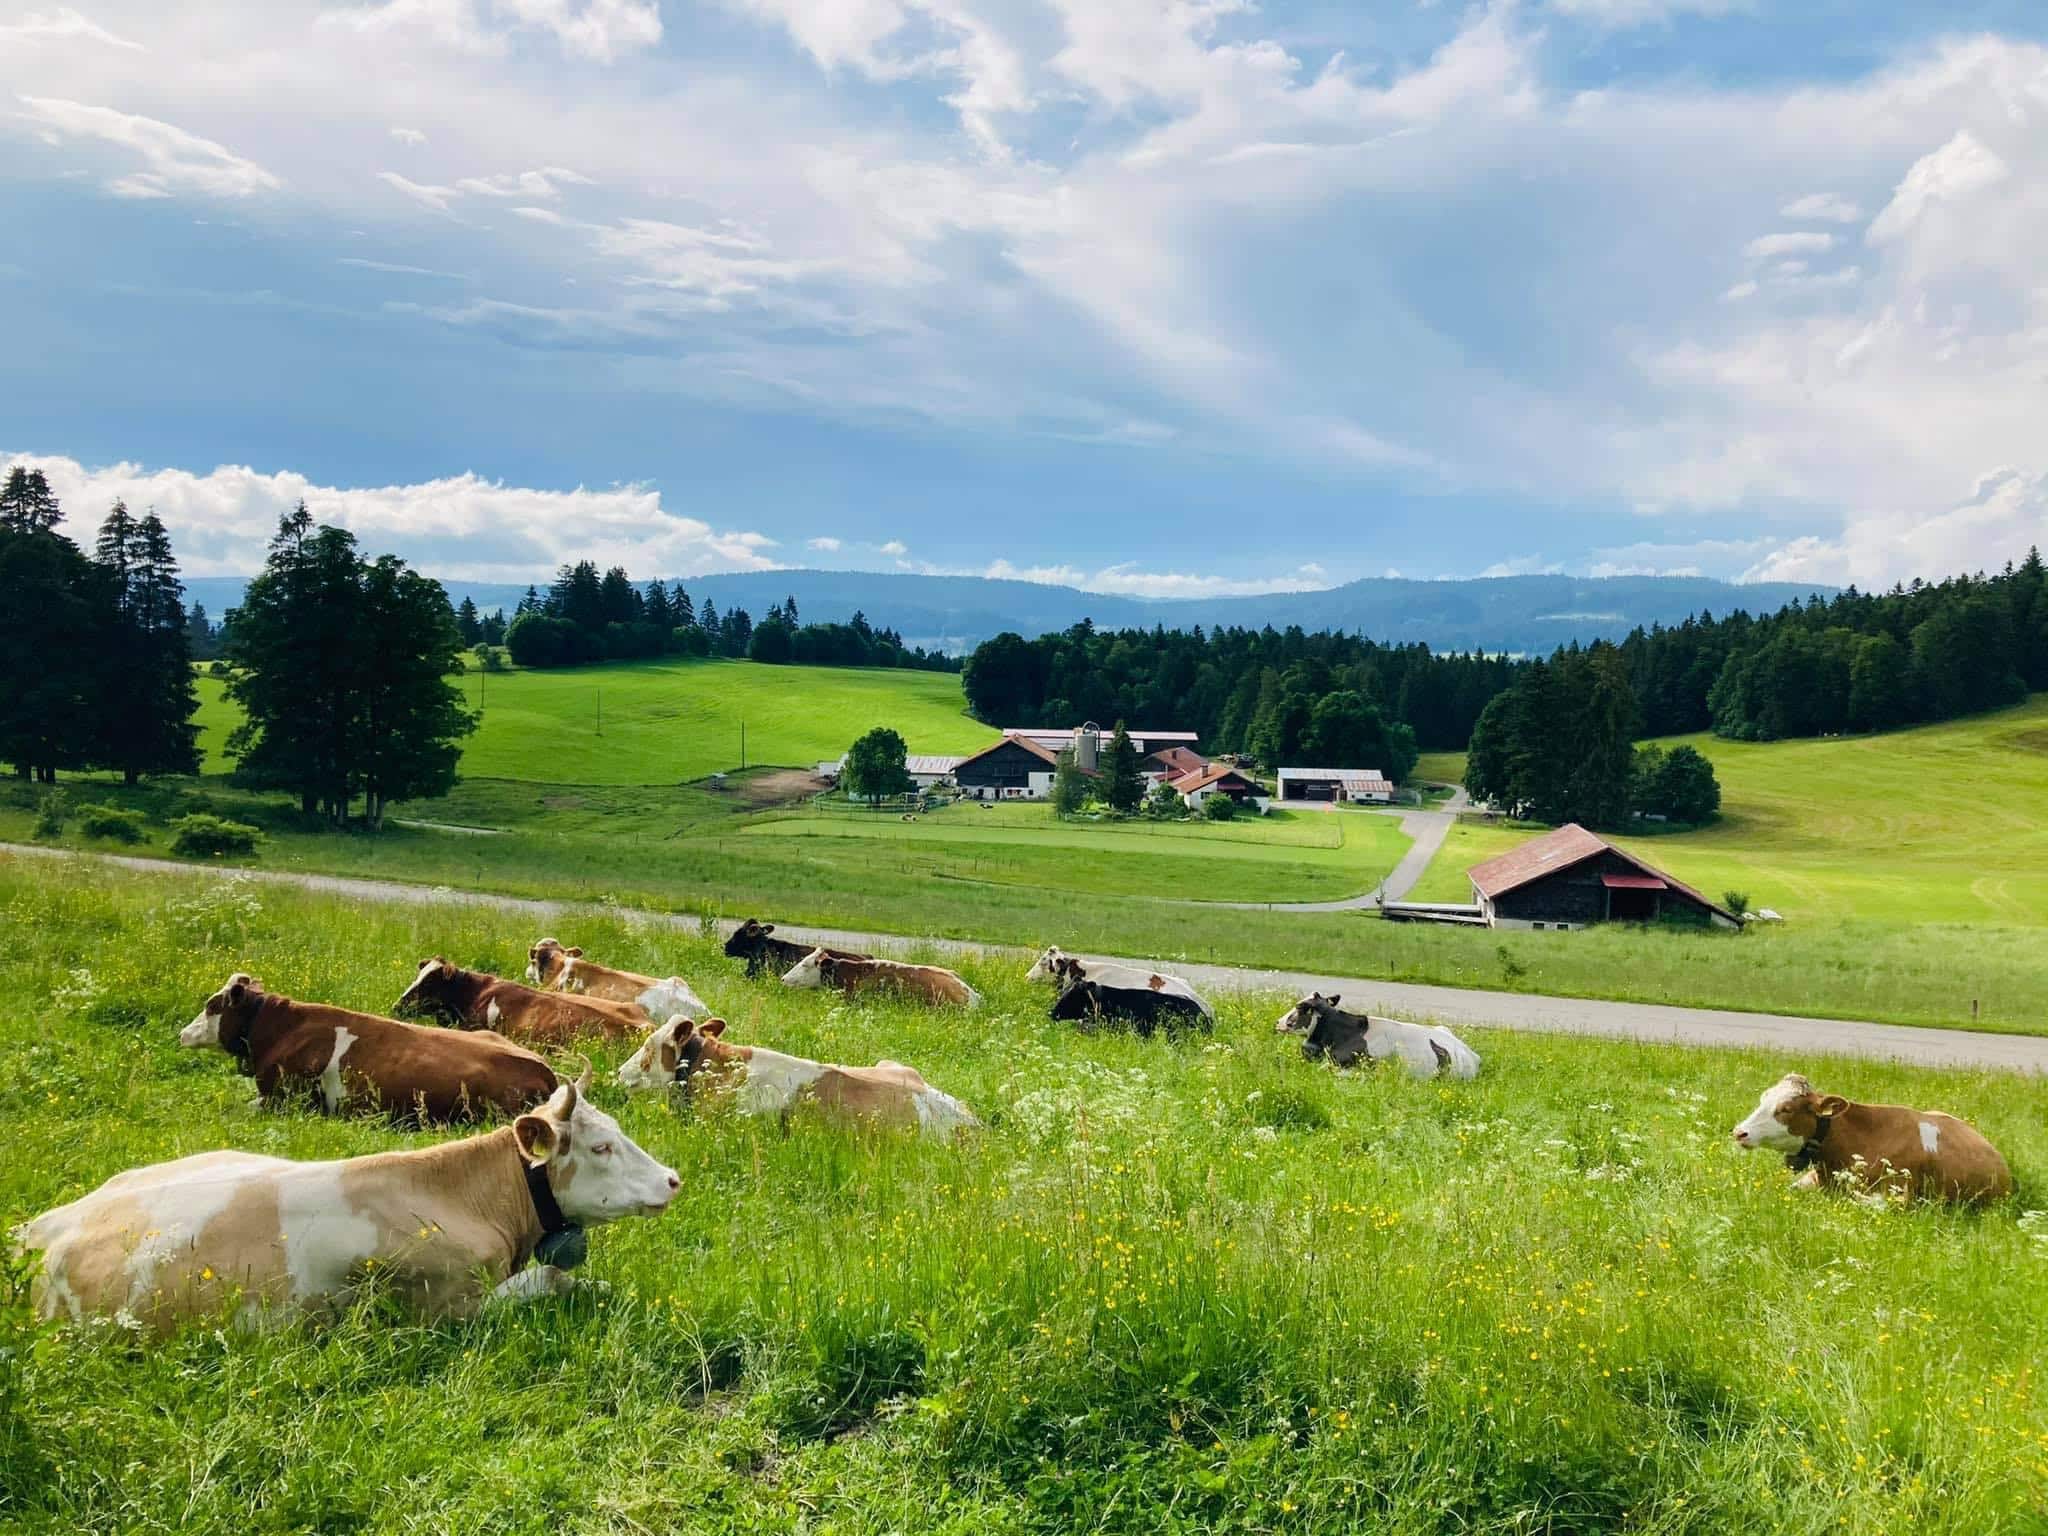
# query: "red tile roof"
{"type": "Point", "coordinates": [1570, 844]}
{"type": "Point", "coordinates": [1215, 773]}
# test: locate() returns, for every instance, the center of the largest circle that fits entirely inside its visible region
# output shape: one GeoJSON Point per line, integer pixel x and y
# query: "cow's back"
{"type": "Point", "coordinates": [556, 1018]}
{"type": "Point", "coordinates": [361, 1061]}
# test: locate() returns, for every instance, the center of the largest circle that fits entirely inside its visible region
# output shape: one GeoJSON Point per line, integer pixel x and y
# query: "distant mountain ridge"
{"type": "Point", "coordinates": [957, 613]}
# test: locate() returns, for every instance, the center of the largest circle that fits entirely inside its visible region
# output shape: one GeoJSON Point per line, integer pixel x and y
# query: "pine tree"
{"type": "Point", "coordinates": [1125, 786]}
{"type": "Point", "coordinates": [707, 620]}
{"type": "Point", "coordinates": [409, 716]}
{"type": "Point", "coordinates": [467, 624]}
{"type": "Point", "coordinates": [681, 614]}
{"type": "Point", "coordinates": [146, 697]}
{"type": "Point", "coordinates": [658, 611]}
{"type": "Point", "coordinates": [51, 621]}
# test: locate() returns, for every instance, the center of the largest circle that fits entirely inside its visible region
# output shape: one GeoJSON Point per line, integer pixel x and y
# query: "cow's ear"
{"type": "Point", "coordinates": [1335, 999]}
{"type": "Point", "coordinates": [575, 950]}
{"type": "Point", "coordinates": [767, 927]}
{"type": "Point", "coordinates": [537, 1138]}
{"type": "Point", "coordinates": [237, 990]}
{"type": "Point", "coordinates": [713, 1027]}
{"type": "Point", "coordinates": [1828, 1105]}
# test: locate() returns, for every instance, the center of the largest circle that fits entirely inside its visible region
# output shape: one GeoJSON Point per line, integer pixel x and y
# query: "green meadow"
{"type": "Point", "coordinates": [1945, 824]}
{"type": "Point", "coordinates": [666, 722]}
{"type": "Point", "coordinates": [1200, 1287]}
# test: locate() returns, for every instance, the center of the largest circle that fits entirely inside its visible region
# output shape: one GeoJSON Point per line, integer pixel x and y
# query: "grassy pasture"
{"type": "Point", "coordinates": [1205, 1287]}
{"type": "Point", "coordinates": [665, 722]}
{"type": "Point", "coordinates": [1938, 825]}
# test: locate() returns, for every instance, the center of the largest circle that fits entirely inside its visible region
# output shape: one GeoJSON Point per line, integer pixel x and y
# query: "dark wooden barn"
{"type": "Point", "coordinates": [1572, 878]}
{"type": "Point", "coordinates": [1015, 768]}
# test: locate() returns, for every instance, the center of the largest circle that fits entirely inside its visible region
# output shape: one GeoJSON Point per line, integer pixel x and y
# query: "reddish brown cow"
{"type": "Point", "coordinates": [1880, 1147]}
{"type": "Point", "coordinates": [476, 1000]}
{"type": "Point", "coordinates": [357, 1061]}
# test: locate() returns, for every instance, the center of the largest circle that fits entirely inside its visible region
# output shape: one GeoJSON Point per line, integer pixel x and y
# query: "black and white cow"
{"type": "Point", "coordinates": [1427, 1050]}
{"type": "Point", "coordinates": [1089, 1003]}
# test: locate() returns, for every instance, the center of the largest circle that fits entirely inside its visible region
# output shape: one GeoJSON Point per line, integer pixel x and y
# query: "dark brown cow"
{"type": "Point", "coordinates": [752, 943]}
{"type": "Point", "coordinates": [924, 983]}
{"type": "Point", "coordinates": [357, 1061]}
{"type": "Point", "coordinates": [1885, 1148]}
{"type": "Point", "coordinates": [477, 1000]}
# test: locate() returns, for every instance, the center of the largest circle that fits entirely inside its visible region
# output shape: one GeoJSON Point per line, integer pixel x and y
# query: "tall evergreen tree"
{"type": "Point", "coordinates": [1123, 786]}
{"type": "Point", "coordinates": [681, 614]}
{"type": "Point", "coordinates": [27, 505]}
{"type": "Point", "coordinates": [467, 624]}
{"type": "Point", "coordinates": [146, 696]}
{"type": "Point", "coordinates": [53, 614]}
{"type": "Point", "coordinates": [658, 611]}
{"type": "Point", "coordinates": [410, 716]}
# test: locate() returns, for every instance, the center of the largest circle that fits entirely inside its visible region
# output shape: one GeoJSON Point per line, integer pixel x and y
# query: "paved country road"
{"type": "Point", "coordinates": [1426, 831]}
{"type": "Point", "coordinates": [1792, 1040]}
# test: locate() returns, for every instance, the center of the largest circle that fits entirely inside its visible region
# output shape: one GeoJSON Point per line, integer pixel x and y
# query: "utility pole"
{"type": "Point", "coordinates": [600, 711]}
{"type": "Point", "coordinates": [743, 744]}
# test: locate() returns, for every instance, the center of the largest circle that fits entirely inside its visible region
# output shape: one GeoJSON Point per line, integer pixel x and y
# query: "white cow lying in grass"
{"type": "Point", "coordinates": [445, 1227]}
{"type": "Point", "coordinates": [555, 967]}
{"type": "Point", "coordinates": [1427, 1050]}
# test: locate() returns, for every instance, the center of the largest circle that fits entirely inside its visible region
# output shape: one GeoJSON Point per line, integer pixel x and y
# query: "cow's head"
{"type": "Point", "coordinates": [1047, 966]}
{"type": "Point", "coordinates": [597, 1173]}
{"type": "Point", "coordinates": [224, 1021]}
{"type": "Point", "coordinates": [1299, 1019]}
{"type": "Point", "coordinates": [547, 959]}
{"type": "Point", "coordinates": [430, 990]}
{"type": "Point", "coordinates": [815, 970]}
{"type": "Point", "coordinates": [670, 1057]}
{"type": "Point", "coordinates": [1788, 1116]}
{"type": "Point", "coordinates": [1079, 998]}
{"type": "Point", "coordinates": [747, 938]}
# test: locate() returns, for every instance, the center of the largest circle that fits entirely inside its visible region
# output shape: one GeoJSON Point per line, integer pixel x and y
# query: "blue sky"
{"type": "Point", "coordinates": [1154, 296]}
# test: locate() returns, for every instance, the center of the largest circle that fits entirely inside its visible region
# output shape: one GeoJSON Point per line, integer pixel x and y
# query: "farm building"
{"type": "Point", "coordinates": [1057, 741]}
{"type": "Point", "coordinates": [1014, 768]}
{"type": "Point", "coordinates": [1215, 779]}
{"type": "Point", "coordinates": [926, 771]}
{"type": "Point", "coordinates": [1571, 878]}
{"type": "Point", "coordinates": [1170, 763]}
{"type": "Point", "coordinates": [1365, 786]}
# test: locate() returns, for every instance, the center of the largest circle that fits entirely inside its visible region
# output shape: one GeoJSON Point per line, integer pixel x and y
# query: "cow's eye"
{"type": "Point", "coordinates": [603, 1149]}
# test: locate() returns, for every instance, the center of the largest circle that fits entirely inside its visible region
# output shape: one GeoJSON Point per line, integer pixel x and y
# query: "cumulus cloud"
{"type": "Point", "coordinates": [544, 183]}
{"type": "Point", "coordinates": [2004, 515]}
{"type": "Point", "coordinates": [174, 162]}
{"type": "Point", "coordinates": [1524, 565]}
{"type": "Point", "coordinates": [895, 547]}
{"type": "Point", "coordinates": [1792, 241]}
{"type": "Point", "coordinates": [460, 526]}
{"type": "Point", "coordinates": [412, 138]}
{"type": "Point", "coordinates": [61, 25]}
{"type": "Point", "coordinates": [1951, 174]}
{"type": "Point", "coordinates": [826, 545]}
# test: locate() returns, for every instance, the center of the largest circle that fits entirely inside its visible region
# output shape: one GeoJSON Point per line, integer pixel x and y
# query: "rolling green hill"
{"type": "Point", "coordinates": [665, 722]}
{"type": "Point", "coordinates": [1943, 824]}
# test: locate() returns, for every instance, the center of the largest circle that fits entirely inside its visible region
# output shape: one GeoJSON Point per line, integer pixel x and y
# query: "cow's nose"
{"type": "Point", "coordinates": [674, 1183]}
{"type": "Point", "coordinates": [1741, 1138]}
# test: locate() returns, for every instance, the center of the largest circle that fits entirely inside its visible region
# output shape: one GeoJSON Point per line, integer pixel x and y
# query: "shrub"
{"type": "Point", "coordinates": [50, 814]}
{"type": "Point", "coordinates": [1219, 807]}
{"type": "Point", "coordinates": [112, 823]}
{"type": "Point", "coordinates": [201, 836]}
{"type": "Point", "coordinates": [1735, 901]}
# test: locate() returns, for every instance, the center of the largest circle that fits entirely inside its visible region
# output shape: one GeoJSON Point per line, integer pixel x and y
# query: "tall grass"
{"type": "Point", "coordinates": [1205, 1287]}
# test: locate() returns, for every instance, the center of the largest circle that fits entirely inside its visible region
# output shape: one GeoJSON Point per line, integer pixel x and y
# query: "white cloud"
{"type": "Point", "coordinates": [2005, 514]}
{"type": "Point", "coordinates": [826, 545]}
{"type": "Point", "coordinates": [1789, 243]}
{"type": "Point", "coordinates": [1742, 290]}
{"type": "Point", "coordinates": [597, 30]}
{"type": "Point", "coordinates": [412, 138]}
{"type": "Point", "coordinates": [174, 162]}
{"type": "Point", "coordinates": [437, 198]}
{"type": "Point", "coordinates": [461, 526]}
{"type": "Point", "coordinates": [542, 183]}
{"type": "Point", "coordinates": [1523, 565]}
{"type": "Point", "coordinates": [61, 25]}
{"type": "Point", "coordinates": [397, 268]}
{"type": "Point", "coordinates": [894, 547]}
{"type": "Point", "coordinates": [1827, 206]}
{"type": "Point", "coordinates": [1950, 175]}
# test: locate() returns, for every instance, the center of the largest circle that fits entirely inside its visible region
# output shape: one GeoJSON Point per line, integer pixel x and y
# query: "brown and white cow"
{"type": "Point", "coordinates": [1885, 1148]}
{"type": "Point", "coordinates": [554, 967]}
{"type": "Point", "coordinates": [923, 983]}
{"type": "Point", "coordinates": [754, 942]}
{"type": "Point", "coordinates": [445, 1227]}
{"type": "Point", "coordinates": [765, 1082]}
{"type": "Point", "coordinates": [357, 1061]}
{"type": "Point", "coordinates": [477, 1000]}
